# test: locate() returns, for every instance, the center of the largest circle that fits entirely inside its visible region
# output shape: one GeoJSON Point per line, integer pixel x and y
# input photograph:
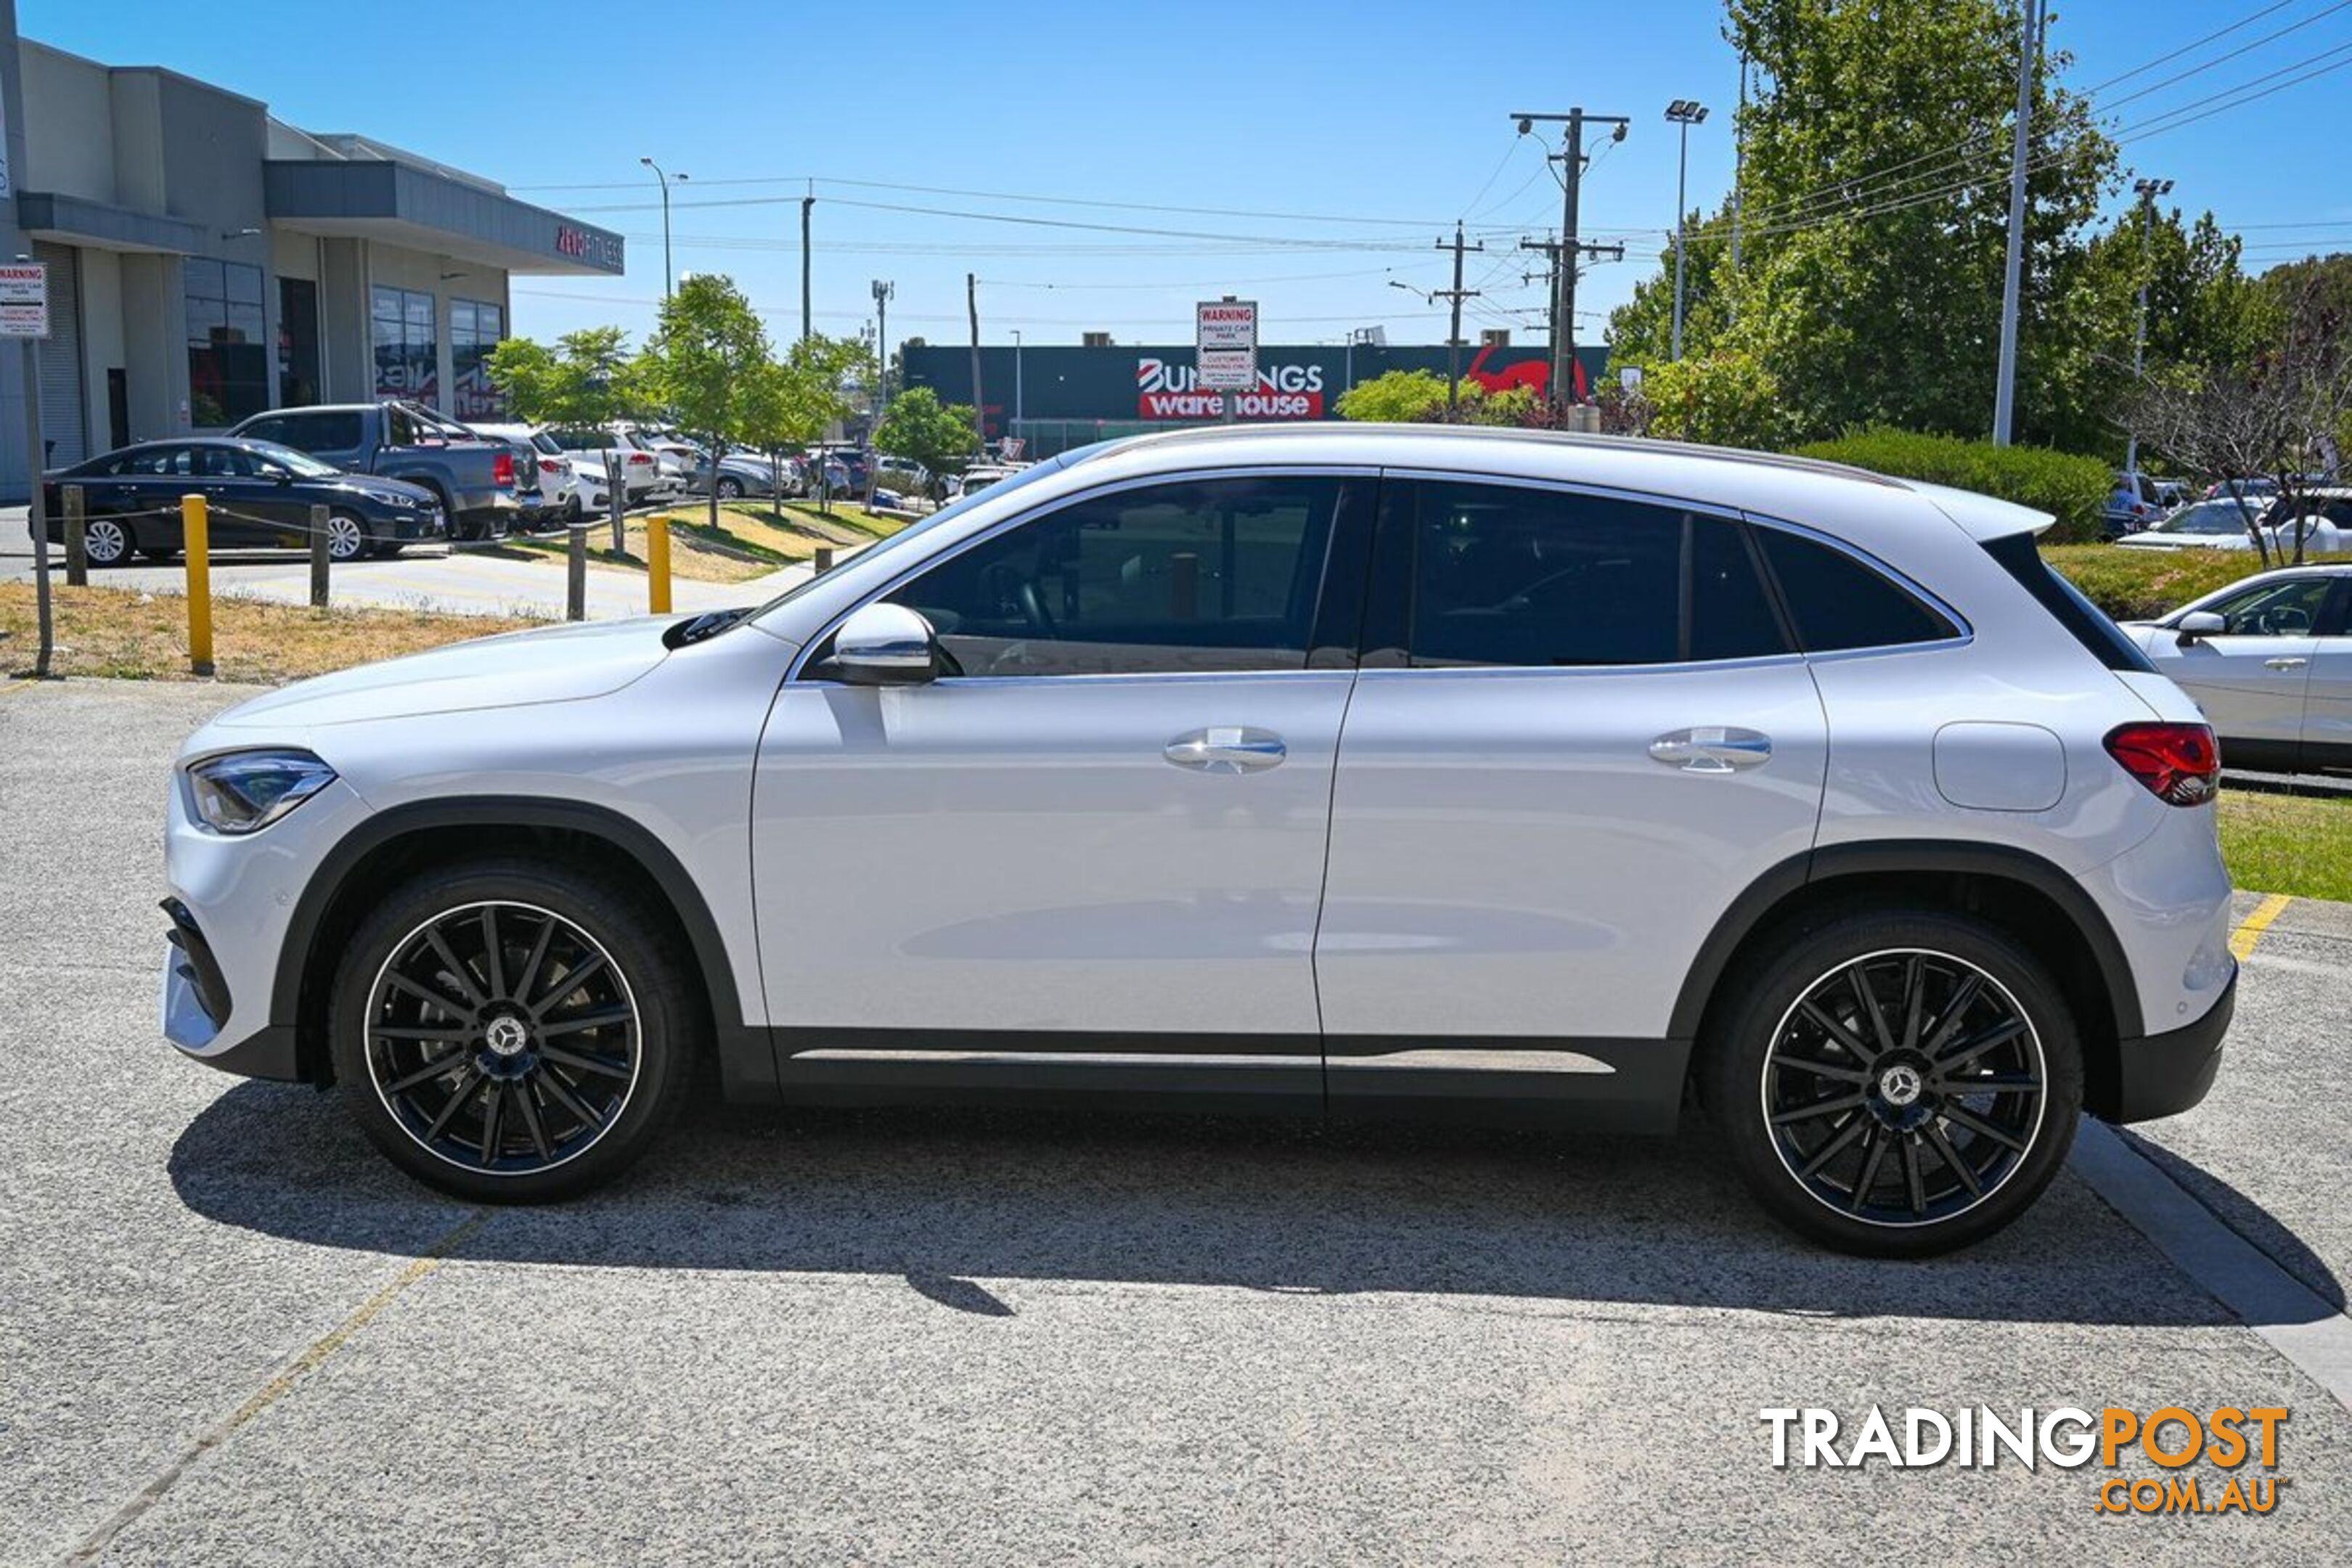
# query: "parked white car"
{"type": "Point", "coordinates": [559, 477]}
{"type": "Point", "coordinates": [586, 447]}
{"type": "Point", "coordinates": [1380, 768]}
{"type": "Point", "coordinates": [2269, 660]}
{"type": "Point", "coordinates": [2200, 525]}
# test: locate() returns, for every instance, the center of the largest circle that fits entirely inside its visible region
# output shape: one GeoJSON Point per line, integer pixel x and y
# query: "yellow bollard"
{"type": "Point", "coordinates": [657, 565]}
{"type": "Point", "coordinates": [195, 537]}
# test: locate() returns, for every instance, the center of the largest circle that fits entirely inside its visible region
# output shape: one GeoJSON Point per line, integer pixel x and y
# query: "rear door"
{"type": "Point", "coordinates": [1580, 731]}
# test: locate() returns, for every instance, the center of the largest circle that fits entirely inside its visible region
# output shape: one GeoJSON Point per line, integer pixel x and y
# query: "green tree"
{"type": "Point", "coordinates": [1399, 397]}
{"type": "Point", "coordinates": [1875, 218]}
{"type": "Point", "coordinates": [1722, 399]}
{"type": "Point", "coordinates": [703, 364]}
{"type": "Point", "coordinates": [586, 379]}
{"type": "Point", "coordinates": [792, 402]}
{"type": "Point", "coordinates": [919, 428]}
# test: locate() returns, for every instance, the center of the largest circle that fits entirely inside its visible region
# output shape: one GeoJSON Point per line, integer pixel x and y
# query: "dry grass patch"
{"type": "Point", "coordinates": [135, 636]}
{"type": "Point", "coordinates": [752, 539]}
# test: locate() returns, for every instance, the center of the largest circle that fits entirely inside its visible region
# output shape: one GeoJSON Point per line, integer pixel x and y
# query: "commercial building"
{"type": "Point", "coordinates": [207, 260]}
{"type": "Point", "coordinates": [1059, 397]}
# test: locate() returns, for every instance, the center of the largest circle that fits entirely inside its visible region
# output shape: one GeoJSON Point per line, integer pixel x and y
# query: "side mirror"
{"type": "Point", "coordinates": [2199, 623]}
{"type": "Point", "coordinates": [886, 645]}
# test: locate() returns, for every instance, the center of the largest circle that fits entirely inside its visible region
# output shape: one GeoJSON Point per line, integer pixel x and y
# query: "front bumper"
{"type": "Point", "coordinates": [2164, 1075]}
{"type": "Point", "coordinates": [411, 528]}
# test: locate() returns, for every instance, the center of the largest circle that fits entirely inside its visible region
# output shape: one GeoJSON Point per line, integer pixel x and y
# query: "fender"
{"type": "Point", "coordinates": [1898, 855]}
{"type": "Point", "coordinates": [746, 1057]}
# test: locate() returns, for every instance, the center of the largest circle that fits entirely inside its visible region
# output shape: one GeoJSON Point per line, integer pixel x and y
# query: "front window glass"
{"type": "Point", "coordinates": [299, 463]}
{"type": "Point", "coordinates": [2289, 608]}
{"type": "Point", "coordinates": [1196, 575]}
{"type": "Point", "coordinates": [2206, 518]}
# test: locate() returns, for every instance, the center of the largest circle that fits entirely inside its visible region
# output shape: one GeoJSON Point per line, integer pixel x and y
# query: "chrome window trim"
{"type": "Point", "coordinates": [823, 634]}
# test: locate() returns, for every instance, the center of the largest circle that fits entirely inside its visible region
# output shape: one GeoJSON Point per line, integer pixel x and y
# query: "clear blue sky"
{"type": "Point", "coordinates": [1298, 112]}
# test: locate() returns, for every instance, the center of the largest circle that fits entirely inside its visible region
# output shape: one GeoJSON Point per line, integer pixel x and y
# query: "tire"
{"type": "Point", "coordinates": [571, 510]}
{"type": "Point", "coordinates": [1938, 1166]}
{"type": "Point", "coordinates": [347, 537]}
{"type": "Point", "coordinates": [107, 541]}
{"type": "Point", "coordinates": [578, 1101]}
{"type": "Point", "coordinates": [730, 488]}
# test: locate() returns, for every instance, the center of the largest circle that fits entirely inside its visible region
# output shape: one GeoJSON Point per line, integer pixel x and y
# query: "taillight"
{"type": "Point", "coordinates": [502, 468]}
{"type": "Point", "coordinates": [639, 457]}
{"type": "Point", "coordinates": [2178, 763]}
{"type": "Point", "coordinates": [550, 466]}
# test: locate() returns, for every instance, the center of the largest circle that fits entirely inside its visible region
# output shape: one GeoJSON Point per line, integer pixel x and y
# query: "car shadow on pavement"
{"type": "Point", "coordinates": [943, 1198]}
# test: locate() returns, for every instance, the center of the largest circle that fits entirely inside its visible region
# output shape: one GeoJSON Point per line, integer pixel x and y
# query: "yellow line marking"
{"type": "Point", "coordinates": [301, 1366]}
{"type": "Point", "coordinates": [2250, 930]}
{"type": "Point", "coordinates": [14, 687]}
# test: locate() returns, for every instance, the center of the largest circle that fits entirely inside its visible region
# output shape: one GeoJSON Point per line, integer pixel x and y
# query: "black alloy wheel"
{"type": "Point", "coordinates": [1905, 1087]}
{"type": "Point", "coordinates": [514, 1030]}
{"type": "Point", "coordinates": [1892, 1081]}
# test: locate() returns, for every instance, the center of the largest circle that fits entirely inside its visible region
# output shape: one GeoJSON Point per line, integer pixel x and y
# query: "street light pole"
{"type": "Point", "coordinates": [2005, 392]}
{"type": "Point", "coordinates": [1683, 113]}
{"type": "Point", "coordinates": [667, 274]}
{"type": "Point", "coordinates": [2148, 190]}
{"type": "Point", "coordinates": [1016, 380]}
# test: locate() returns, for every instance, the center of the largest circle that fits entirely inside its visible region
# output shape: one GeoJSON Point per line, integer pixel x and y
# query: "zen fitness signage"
{"type": "Point", "coordinates": [23, 300]}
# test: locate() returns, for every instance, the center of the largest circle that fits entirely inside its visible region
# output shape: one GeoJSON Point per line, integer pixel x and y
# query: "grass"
{"type": "Point", "coordinates": [751, 540]}
{"type": "Point", "coordinates": [144, 636]}
{"type": "Point", "coordinates": [2140, 585]}
{"type": "Point", "coordinates": [2299, 845]}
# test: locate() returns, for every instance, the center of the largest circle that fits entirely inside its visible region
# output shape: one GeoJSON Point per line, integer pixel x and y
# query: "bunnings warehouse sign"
{"type": "Point", "coordinates": [1159, 384]}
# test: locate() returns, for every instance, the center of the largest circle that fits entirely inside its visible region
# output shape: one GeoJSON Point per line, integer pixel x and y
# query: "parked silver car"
{"type": "Point", "coordinates": [2269, 659]}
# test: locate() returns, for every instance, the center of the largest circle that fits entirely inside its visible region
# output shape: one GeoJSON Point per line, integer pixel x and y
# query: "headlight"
{"type": "Point", "coordinates": [244, 791]}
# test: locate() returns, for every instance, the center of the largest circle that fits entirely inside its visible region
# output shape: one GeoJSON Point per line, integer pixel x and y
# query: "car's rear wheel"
{"type": "Point", "coordinates": [513, 1031]}
{"type": "Point", "coordinates": [730, 488]}
{"type": "Point", "coordinates": [105, 541]}
{"type": "Point", "coordinates": [1894, 1082]}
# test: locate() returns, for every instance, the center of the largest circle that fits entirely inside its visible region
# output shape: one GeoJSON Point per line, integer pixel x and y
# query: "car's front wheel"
{"type": "Point", "coordinates": [347, 537]}
{"type": "Point", "coordinates": [106, 542]}
{"type": "Point", "coordinates": [730, 488]}
{"type": "Point", "coordinates": [1893, 1082]}
{"type": "Point", "coordinates": [513, 1031]}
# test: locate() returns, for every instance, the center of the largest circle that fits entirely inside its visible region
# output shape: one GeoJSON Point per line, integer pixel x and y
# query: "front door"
{"type": "Point", "coordinates": [2250, 678]}
{"type": "Point", "coordinates": [1092, 853]}
{"type": "Point", "coordinates": [1581, 732]}
{"type": "Point", "coordinates": [2328, 700]}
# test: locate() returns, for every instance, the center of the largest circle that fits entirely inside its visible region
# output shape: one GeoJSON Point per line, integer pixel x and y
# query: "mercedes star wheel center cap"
{"type": "Point", "coordinates": [1898, 1086]}
{"type": "Point", "coordinates": [507, 1037]}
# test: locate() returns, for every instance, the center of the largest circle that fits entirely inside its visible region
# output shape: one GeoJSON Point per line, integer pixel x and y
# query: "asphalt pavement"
{"type": "Point", "coordinates": [445, 579]}
{"type": "Point", "coordinates": [232, 1333]}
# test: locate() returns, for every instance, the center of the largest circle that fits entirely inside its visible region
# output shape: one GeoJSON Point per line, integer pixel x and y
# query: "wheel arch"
{"type": "Point", "coordinates": [2014, 889]}
{"type": "Point", "coordinates": [396, 843]}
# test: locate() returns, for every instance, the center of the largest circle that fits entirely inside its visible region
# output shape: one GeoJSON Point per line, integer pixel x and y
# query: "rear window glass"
{"type": "Point", "coordinates": [2085, 621]}
{"type": "Point", "coordinates": [1837, 602]}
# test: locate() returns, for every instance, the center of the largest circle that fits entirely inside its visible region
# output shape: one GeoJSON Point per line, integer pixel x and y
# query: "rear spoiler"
{"type": "Point", "coordinates": [1983, 517]}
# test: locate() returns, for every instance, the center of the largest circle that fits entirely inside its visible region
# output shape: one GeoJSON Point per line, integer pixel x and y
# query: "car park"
{"type": "Point", "coordinates": [586, 447]}
{"type": "Point", "coordinates": [258, 493]}
{"type": "Point", "coordinates": [474, 481]}
{"type": "Point", "coordinates": [1358, 771]}
{"type": "Point", "coordinates": [740, 474]}
{"type": "Point", "coordinates": [2216, 524]}
{"type": "Point", "coordinates": [2269, 661]}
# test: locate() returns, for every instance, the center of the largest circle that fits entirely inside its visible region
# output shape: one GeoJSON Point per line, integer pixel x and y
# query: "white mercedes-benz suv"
{"type": "Point", "coordinates": [1344, 769]}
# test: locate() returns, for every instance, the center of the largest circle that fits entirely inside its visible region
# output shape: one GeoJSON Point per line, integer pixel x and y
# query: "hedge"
{"type": "Point", "coordinates": [2071, 489]}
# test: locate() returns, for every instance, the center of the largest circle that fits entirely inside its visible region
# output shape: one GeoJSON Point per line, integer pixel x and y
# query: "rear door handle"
{"type": "Point", "coordinates": [1712, 749]}
{"type": "Point", "coordinates": [2284, 663]}
{"type": "Point", "coordinates": [1227, 749]}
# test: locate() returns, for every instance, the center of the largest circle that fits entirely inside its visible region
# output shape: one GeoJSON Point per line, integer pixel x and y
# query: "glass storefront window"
{"type": "Point", "coordinates": [406, 358]}
{"type": "Point", "coordinates": [228, 340]}
{"type": "Point", "coordinates": [476, 328]}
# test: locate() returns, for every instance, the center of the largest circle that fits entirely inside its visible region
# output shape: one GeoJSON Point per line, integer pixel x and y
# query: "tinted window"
{"type": "Point", "coordinates": [159, 460]}
{"type": "Point", "coordinates": [1504, 574]}
{"type": "Point", "coordinates": [1837, 602]}
{"type": "Point", "coordinates": [224, 462]}
{"type": "Point", "coordinates": [2289, 608]}
{"type": "Point", "coordinates": [1214, 575]}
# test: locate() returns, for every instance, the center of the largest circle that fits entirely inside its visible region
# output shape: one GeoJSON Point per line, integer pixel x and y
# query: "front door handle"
{"type": "Point", "coordinates": [1227, 749]}
{"type": "Point", "coordinates": [2284, 663]}
{"type": "Point", "coordinates": [1712, 749]}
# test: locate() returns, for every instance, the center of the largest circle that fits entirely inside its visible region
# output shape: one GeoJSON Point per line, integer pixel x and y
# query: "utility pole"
{"type": "Point", "coordinates": [1684, 113]}
{"type": "Point", "coordinates": [2148, 190]}
{"type": "Point", "coordinates": [882, 292]}
{"type": "Point", "coordinates": [1567, 247]}
{"type": "Point", "coordinates": [2029, 53]}
{"type": "Point", "coordinates": [808, 203]}
{"type": "Point", "coordinates": [1738, 159]}
{"type": "Point", "coordinates": [979, 406]}
{"type": "Point", "coordinates": [1454, 333]}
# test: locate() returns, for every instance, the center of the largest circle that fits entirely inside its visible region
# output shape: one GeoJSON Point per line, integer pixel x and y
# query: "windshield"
{"type": "Point", "coordinates": [953, 509]}
{"type": "Point", "coordinates": [304, 465]}
{"type": "Point", "coordinates": [2205, 516]}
